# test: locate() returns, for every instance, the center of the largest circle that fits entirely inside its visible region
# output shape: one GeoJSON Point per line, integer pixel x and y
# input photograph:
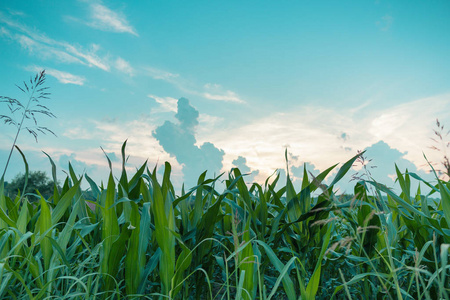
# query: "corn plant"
{"type": "Point", "coordinates": [135, 238]}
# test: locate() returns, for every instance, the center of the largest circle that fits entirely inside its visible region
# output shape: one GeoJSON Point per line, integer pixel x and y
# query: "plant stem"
{"type": "Point", "coordinates": [18, 131]}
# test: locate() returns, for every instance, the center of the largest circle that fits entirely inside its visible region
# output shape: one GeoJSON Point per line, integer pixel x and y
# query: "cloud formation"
{"type": "Point", "coordinates": [39, 44]}
{"type": "Point", "coordinates": [216, 92]}
{"type": "Point", "coordinates": [166, 104]}
{"type": "Point", "coordinates": [160, 74]}
{"type": "Point", "coordinates": [124, 66]}
{"type": "Point", "coordinates": [78, 165]}
{"type": "Point", "coordinates": [61, 76]}
{"type": "Point", "coordinates": [241, 164]}
{"type": "Point", "coordinates": [379, 165]}
{"type": "Point", "coordinates": [405, 127]}
{"type": "Point", "coordinates": [178, 139]}
{"type": "Point", "coordinates": [106, 19]}
{"type": "Point", "coordinates": [297, 171]}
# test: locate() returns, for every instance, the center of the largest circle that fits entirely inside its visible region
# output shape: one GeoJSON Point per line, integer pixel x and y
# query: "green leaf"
{"type": "Point", "coordinates": [313, 284]}
{"type": "Point", "coordinates": [134, 258]}
{"type": "Point", "coordinates": [45, 223]}
{"type": "Point", "coordinates": [445, 200]}
{"type": "Point", "coordinates": [288, 284]}
{"type": "Point", "coordinates": [110, 226]}
{"type": "Point", "coordinates": [344, 169]}
{"type": "Point", "coordinates": [64, 203]}
{"type": "Point", "coordinates": [116, 252]}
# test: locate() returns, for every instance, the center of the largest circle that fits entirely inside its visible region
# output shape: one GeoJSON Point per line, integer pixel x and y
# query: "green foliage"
{"type": "Point", "coordinates": [138, 239]}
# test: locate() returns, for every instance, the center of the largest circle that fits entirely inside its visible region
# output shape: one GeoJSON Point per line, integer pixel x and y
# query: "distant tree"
{"type": "Point", "coordinates": [37, 180]}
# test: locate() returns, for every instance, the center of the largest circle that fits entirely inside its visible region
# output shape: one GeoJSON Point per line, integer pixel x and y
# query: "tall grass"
{"type": "Point", "coordinates": [142, 241]}
{"type": "Point", "coordinates": [35, 92]}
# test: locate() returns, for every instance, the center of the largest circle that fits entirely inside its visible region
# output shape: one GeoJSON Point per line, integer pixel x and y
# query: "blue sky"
{"type": "Point", "coordinates": [322, 79]}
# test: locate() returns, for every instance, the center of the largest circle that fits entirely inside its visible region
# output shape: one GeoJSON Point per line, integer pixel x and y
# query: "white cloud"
{"type": "Point", "coordinates": [209, 120]}
{"type": "Point", "coordinates": [111, 134]}
{"type": "Point", "coordinates": [124, 66]}
{"type": "Point", "coordinates": [90, 57]}
{"type": "Point", "coordinates": [4, 32]}
{"type": "Point", "coordinates": [159, 74]}
{"type": "Point", "coordinates": [166, 104]}
{"type": "Point", "coordinates": [80, 133]}
{"type": "Point", "coordinates": [214, 91]}
{"type": "Point", "coordinates": [210, 91]}
{"type": "Point", "coordinates": [408, 127]}
{"type": "Point", "coordinates": [108, 20]}
{"type": "Point", "coordinates": [314, 134]}
{"type": "Point", "coordinates": [15, 12]}
{"type": "Point", "coordinates": [61, 76]}
{"type": "Point", "coordinates": [227, 96]}
{"type": "Point", "coordinates": [39, 44]}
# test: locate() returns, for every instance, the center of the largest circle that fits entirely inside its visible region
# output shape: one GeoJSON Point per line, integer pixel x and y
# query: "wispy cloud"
{"type": "Point", "coordinates": [160, 74]}
{"type": "Point", "coordinates": [61, 76]}
{"type": "Point", "coordinates": [166, 104]}
{"type": "Point", "coordinates": [90, 57]}
{"type": "Point", "coordinates": [15, 12]}
{"type": "Point", "coordinates": [386, 22]}
{"type": "Point", "coordinates": [65, 77]}
{"type": "Point", "coordinates": [227, 96]}
{"type": "Point", "coordinates": [214, 91]}
{"type": "Point", "coordinates": [106, 19]}
{"type": "Point", "coordinates": [210, 91]}
{"type": "Point", "coordinates": [39, 44]}
{"type": "Point", "coordinates": [124, 66]}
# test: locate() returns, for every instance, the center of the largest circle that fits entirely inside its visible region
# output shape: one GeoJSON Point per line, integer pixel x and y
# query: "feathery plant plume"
{"type": "Point", "coordinates": [443, 144]}
{"type": "Point", "coordinates": [364, 173]}
{"type": "Point", "coordinates": [35, 91]}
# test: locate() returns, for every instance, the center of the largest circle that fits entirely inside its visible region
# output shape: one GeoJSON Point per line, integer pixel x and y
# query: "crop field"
{"type": "Point", "coordinates": [224, 150]}
{"type": "Point", "coordinates": [136, 239]}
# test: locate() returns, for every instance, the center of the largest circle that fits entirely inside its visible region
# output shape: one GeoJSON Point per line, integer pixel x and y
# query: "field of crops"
{"type": "Point", "coordinates": [142, 241]}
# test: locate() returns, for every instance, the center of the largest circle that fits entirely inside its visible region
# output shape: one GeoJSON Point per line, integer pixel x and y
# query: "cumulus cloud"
{"type": "Point", "coordinates": [405, 127]}
{"type": "Point", "coordinates": [241, 164]}
{"type": "Point", "coordinates": [187, 115]}
{"type": "Point", "coordinates": [297, 171]}
{"type": "Point", "coordinates": [78, 165]}
{"type": "Point", "coordinates": [379, 165]}
{"type": "Point", "coordinates": [178, 139]}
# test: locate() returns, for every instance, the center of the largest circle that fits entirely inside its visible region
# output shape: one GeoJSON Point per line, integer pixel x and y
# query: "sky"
{"type": "Point", "coordinates": [212, 85]}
